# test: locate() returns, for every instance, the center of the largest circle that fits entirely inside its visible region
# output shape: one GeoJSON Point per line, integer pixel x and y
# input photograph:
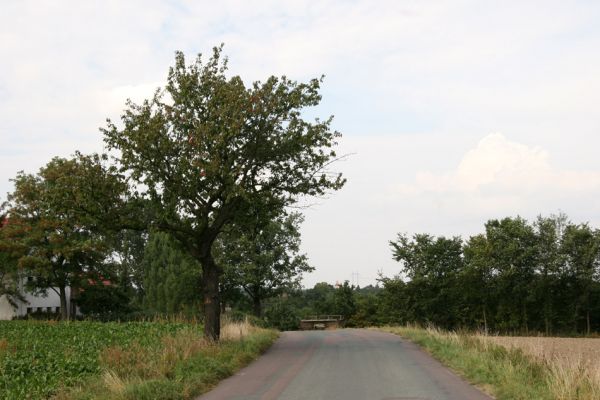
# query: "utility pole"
{"type": "Point", "coordinates": [355, 278]}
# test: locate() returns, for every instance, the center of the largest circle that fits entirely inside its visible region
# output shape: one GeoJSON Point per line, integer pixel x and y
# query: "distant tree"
{"type": "Point", "coordinates": [52, 221]}
{"type": "Point", "coordinates": [367, 309]}
{"type": "Point", "coordinates": [282, 314]}
{"type": "Point", "coordinates": [432, 265]}
{"type": "Point", "coordinates": [263, 257]}
{"type": "Point", "coordinates": [393, 301]}
{"type": "Point", "coordinates": [512, 255]}
{"type": "Point", "coordinates": [581, 247]}
{"type": "Point", "coordinates": [171, 277]}
{"type": "Point", "coordinates": [548, 232]}
{"type": "Point", "coordinates": [320, 298]}
{"type": "Point", "coordinates": [477, 283]}
{"type": "Point", "coordinates": [207, 147]}
{"type": "Point", "coordinates": [343, 300]}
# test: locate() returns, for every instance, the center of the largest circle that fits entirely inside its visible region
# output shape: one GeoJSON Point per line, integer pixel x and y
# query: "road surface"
{"type": "Point", "coordinates": [345, 364]}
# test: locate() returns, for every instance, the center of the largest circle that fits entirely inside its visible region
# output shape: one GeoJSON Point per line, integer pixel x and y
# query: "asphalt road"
{"type": "Point", "coordinates": [347, 364]}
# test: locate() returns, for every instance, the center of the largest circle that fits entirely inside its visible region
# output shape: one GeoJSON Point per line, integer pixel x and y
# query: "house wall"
{"type": "Point", "coordinates": [41, 303]}
{"type": "Point", "coordinates": [33, 303]}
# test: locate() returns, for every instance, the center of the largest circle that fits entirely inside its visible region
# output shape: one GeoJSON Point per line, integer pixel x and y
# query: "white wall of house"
{"type": "Point", "coordinates": [34, 303]}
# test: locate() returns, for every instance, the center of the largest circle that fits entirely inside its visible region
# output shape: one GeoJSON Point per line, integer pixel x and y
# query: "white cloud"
{"type": "Point", "coordinates": [499, 167]}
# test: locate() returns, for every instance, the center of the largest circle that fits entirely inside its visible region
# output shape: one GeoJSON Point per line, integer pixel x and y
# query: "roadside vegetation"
{"type": "Point", "coordinates": [134, 360]}
{"type": "Point", "coordinates": [515, 367]}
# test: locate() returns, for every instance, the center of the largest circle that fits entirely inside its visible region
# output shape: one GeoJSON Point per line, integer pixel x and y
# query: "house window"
{"type": "Point", "coordinates": [39, 309]}
{"type": "Point", "coordinates": [56, 309]}
{"type": "Point", "coordinates": [29, 310]}
{"type": "Point", "coordinates": [30, 279]}
{"type": "Point", "coordinates": [48, 309]}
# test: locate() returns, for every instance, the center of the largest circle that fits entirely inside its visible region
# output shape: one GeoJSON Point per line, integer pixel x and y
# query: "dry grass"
{"type": "Point", "coordinates": [113, 383]}
{"type": "Point", "coordinates": [126, 367]}
{"type": "Point", "coordinates": [573, 363]}
{"type": "Point", "coordinates": [236, 330]}
{"type": "Point", "coordinates": [138, 362]}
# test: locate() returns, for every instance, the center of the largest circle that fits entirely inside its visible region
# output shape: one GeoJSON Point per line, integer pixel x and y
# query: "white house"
{"type": "Point", "coordinates": [33, 303]}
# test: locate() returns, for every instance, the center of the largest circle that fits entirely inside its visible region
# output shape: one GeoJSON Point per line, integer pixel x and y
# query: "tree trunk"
{"type": "Point", "coordinates": [257, 307]}
{"type": "Point", "coordinates": [485, 324]}
{"type": "Point", "coordinates": [587, 318]}
{"type": "Point", "coordinates": [525, 318]}
{"type": "Point", "coordinates": [212, 305]}
{"type": "Point", "coordinates": [64, 310]}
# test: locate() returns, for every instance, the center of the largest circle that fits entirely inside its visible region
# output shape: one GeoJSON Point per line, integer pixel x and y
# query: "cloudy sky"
{"type": "Point", "coordinates": [454, 111]}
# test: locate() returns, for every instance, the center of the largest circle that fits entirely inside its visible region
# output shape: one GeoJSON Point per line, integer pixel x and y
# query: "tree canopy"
{"type": "Point", "coordinates": [205, 148]}
{"type": "Point", "coordinates": [54, 222]}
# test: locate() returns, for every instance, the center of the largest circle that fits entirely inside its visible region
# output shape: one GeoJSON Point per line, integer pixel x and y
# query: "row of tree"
{"type": "Point", "coordinates": [515, 277]}
{"type": "Point", "coordinates": [207, 161]}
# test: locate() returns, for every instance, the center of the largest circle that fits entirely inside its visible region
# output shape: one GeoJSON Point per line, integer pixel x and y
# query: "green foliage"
{"type": "Point", "coordinates": [9, 271]}
{"type": "Point", "coordinates": [127, 267]}
{"type": "Point", "coordinates": [171, 278]}
{"type": "Point", "coordinates": [432, 264]}
{"type": "Point", "coordinates": [103, 301]}
{"type": "Point", "coordinates": [282, 314]}
{"type": "Point", "coordinates": [262, 256]}
{"type": "Point", "coordinates": [343, 301]}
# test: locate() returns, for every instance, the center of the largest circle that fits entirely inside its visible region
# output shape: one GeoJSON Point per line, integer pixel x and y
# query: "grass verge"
{"type": "Point", "coordinates": [183, 366]}
{"type": "Point", "coordinates": [503, 373]}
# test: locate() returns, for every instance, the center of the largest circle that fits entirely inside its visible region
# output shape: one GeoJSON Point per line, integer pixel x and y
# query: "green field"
{"type": "Point", "coordinates": [116, 360]}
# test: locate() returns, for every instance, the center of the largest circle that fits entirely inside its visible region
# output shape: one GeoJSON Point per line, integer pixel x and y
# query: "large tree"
{"type": "Point", "coordinates": [263, 257]}
{"type": "Point", "coordinates": [207, 147]}
{"type": "Point", "coordinates": [53, 221]}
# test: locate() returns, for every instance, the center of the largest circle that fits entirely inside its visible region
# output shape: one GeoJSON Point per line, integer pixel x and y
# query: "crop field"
{"type": "Point", "coordinates": [573, 363]}
{"type": "Point", "coordinates": [37, 357]}
{"type": "Point", "coordinates": [40, 360]}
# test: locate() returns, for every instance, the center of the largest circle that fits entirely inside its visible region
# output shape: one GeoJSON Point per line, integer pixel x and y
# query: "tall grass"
{"type": "Point", "coordinates": [182, 366]}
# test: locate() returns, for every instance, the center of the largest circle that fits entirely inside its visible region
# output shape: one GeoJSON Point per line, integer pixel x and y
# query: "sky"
{"type": "Point", "coordinates": [452, 112]}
